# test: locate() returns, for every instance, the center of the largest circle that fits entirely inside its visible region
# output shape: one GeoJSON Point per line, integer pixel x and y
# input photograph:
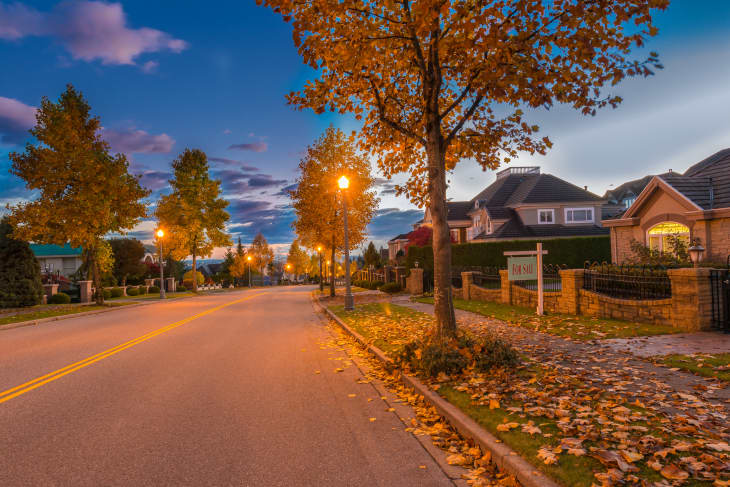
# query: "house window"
{"type": "Point", "coordinates": [455, 235]}
{"type": "Point", "coordinates": [629, 201]}
{"type": "Point", "coordinates": [579, 215]}
{"type": "Point", "coordinates": [545, 216]}
{"type": "Point", "coordinates": [659, 236]}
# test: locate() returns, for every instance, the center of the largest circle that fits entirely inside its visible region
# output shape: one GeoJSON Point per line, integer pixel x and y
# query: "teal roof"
{"type": "Point", "coordinates": [49, 250]}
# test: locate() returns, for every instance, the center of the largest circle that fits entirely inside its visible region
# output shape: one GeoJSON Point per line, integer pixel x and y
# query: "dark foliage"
{"type": "Point", "coordinates": [20, 273]}
{"type": "Point", "coordinates": [59, 298]}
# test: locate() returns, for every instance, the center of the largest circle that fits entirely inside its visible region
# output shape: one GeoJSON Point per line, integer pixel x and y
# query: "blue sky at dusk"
{"type": "Point", "coordinates": [167, 75]}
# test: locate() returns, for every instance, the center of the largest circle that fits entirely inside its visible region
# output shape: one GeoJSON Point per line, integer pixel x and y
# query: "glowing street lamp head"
{"type": "Point", "coordinates": [248, 258]}
{"type": "Point", "coordinates": [343, 182]}
{"type": "Point", "coordinates": [319, 248]}
{"type": "Point", "coordinates": [288, 266]}
{"type": "Point", "coordinates": [160, 233]}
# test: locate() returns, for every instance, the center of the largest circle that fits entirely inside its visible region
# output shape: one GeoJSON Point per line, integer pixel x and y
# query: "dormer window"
{"type": "Point", "coordinates": [579, 215]}
{"type": "Point", "coordinates": [546, 217]}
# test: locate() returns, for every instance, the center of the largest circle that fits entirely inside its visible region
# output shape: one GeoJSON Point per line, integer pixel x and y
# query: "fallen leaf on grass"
{"type": "Point", "coordinates": [507, 426]}
{"type": "Point", "coordinates": [547, 456]}
{"type": "Point", "coordinates": [673, 472]}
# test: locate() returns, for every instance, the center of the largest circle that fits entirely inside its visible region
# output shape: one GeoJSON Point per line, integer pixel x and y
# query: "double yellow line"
{"type": "Point", "coordinates": [57, 374]}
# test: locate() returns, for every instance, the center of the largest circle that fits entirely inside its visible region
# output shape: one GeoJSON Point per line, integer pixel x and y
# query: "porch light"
{"type": "Point", "coordinates": [695, 254]}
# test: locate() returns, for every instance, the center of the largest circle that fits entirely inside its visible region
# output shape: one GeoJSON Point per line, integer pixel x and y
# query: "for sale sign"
{"type": "Point", "coordinates": [522, 268]}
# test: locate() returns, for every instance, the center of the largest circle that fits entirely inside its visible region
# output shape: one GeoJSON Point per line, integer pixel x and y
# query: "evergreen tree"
{"type": "Point", "coordinates": [20, 273]}
{"type": "Point", "coordinates": [371, 256]}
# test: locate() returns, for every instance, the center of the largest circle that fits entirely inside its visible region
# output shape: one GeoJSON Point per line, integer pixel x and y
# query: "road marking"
{"type": "Point", "coordinates": [57, 374]}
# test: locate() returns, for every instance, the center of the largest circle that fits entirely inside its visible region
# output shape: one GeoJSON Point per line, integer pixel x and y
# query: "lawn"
{"type": "Point", "coordinates": [61, 310]}
{"type": "Point", "coordinates": [184, 294]}
{"type": "Point", "coordinates": [569, 326]}
{"type": "Point", "coordinates": [565, 426]}
{"type": "Point", "coordinates": [706, 365]}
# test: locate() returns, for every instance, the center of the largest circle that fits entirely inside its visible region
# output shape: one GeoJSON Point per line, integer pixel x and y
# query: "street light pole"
{"type": "Point", "coordinates": [248, 258]}
{"type": "Point", "coordinates": [161, 234]}
{"type": "Point", "coordinates": [349, 301]}
{"type": "Point", "coordinates": [321, 284]}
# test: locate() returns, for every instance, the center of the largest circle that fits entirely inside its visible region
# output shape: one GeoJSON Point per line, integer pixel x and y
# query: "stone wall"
{"type": "Point", "coordinates": [528, 299]}
{"type": "Point", "coordinates": [656, 311]}
{"type": "Point", "coordinates": [479, 293]}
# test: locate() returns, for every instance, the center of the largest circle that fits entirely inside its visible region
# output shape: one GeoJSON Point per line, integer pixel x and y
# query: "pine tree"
{"type": "Point", "coordinates": [20, 273]}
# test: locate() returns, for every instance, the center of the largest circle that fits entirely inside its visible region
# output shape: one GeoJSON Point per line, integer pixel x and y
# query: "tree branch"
{"type": "Point", "coordinates": [475, 104]}
{"type": "Point", "coordinates": [390, 123]}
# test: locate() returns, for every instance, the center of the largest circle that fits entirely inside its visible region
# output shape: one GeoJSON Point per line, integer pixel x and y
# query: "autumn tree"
{"type": "Point", "coordinates": [239, 267]}
{"type": "Point", "coordinates": [193, 215]}
{"type": "Point", "coordinates": [128, 259]}
{"type": "Point", "coordinates": [297, 259]}
{"type": "Point", "coordinates": [317, 200]}
{"type": "Point", "coordinates": [261, 254]}
{"type": "Point", "coordinates": [84, 191]}
{"type": "Point", "coordinates": [439, 81]}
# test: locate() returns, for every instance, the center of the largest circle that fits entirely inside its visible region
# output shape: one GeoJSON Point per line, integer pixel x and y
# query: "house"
{"type": "Point", "coordinates": [694, 205]}
{"type": "Point", "coordinates": [61, 259]}
{"type": "Point", "coordinates": [210, 269]}
{"type": "Point", "coordinates": [457, 214]}
{"type": "Point", "coordinates": [397, 244]}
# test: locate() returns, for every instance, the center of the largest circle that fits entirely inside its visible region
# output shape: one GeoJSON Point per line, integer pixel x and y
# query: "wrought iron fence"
{"type": "Point", "coordinates": [551, 281]}
{"type": "Point", "coordinates": [720, 290]}
{"type": "Point", "coordinates": [628, 282]}
{"type": "Point", "coordinates": [487, 277]}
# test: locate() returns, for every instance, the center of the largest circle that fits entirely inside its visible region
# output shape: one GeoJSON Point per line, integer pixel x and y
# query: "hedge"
{"type": "Point", "coordinates": [132, 291]}
{"type": "Point", "coordinates": [153, 290]}
{"type": "Point", "coordinates": [117, 292]}
{"type": "Point", "coordinates": [570, 252]}
{"type": "Point", "coordinates": [59, 298]}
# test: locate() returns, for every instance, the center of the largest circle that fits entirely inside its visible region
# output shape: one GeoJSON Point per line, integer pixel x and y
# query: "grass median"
{"type": "Point", "coordinates": [580, 427]}
{"type": "Point", "coordinates": [707, 365]}
{"type": "Point", "coordinates": [567, 326]}
{"type": "Point", "coordinates": [60, 310]}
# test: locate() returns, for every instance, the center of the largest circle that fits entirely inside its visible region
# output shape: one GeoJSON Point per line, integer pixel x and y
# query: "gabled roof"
{"type": "Point", "coordinates": [402, 236]}
{"type": "Point", "coordinates": [458, 210]}
{"type": "Point", "coordinates": [51, 250]}
{"type": "Point", "coordinates": [518, 189]}
{"type": "Point", "coordinates": [717, 167]}
{"type": "Point", "coordinates": [695, 189]}
{"type": "Point", "coordinates": [628, 188]}
{"type": "Point", "coordinates": [515, 229]}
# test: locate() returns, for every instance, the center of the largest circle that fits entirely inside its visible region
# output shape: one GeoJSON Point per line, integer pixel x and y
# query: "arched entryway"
{"type": "Point", "coordinates": [658, 236]}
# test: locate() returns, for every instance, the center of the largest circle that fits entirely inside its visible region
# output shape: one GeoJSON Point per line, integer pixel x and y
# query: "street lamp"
{"type": "Point", "coordinates": [344, 183]}
{"type": "Point", "coordinates": [248, 258]}
{"type": "Point", "coordinates": [321, 284]}
{"type": "Point", "coordinates": [161, 234]}
{"type": "Point", "coordinates": [695, 253]}
{"type": "Point", "coordinates": [288, 270]}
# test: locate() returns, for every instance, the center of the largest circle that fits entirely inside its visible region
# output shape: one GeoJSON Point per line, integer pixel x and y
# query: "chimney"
{"type": "Point", "coordinates": [585, 187]}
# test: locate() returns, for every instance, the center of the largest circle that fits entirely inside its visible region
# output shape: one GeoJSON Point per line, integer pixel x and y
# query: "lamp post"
{"type": "Point", "coordinates": [344, 183]}
{"type": "Point", "coordinates": [695, 254]}
{"type": "Point", "coordinates": [161, 234]}
{"type": "Point", "coordinates": [288, 271]}
{"type": "Point", "coordinates": [321, 284]}
{"type": "Point", "coordinates": [248, 258]}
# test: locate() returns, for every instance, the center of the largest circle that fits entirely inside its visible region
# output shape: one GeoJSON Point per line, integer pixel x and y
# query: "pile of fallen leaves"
{"type": "Point", "coordinates": [631, 429]}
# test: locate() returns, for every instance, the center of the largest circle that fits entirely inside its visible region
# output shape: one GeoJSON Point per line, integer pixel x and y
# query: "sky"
{"type": "Point", "coordinates": [164, 76]}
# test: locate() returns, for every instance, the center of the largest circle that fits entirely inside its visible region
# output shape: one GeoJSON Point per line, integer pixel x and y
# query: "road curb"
{"type": "Point", "coordinates": [506, 459]}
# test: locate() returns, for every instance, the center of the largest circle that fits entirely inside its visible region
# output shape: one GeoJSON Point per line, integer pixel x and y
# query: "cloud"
{"type": "Point", "coordinates": [286, 189]}
{"type": "Point", "coordinates": [232, 162]}
{"type": "Point", "coordinates": [226, 131]}
{"type": "Point", "coordinates": [150, 67]}
{"type": "Point", "coordinates": [138, 141]}
{"type": "Point", "coordinates": [254, 146]}
{"type": "Point", "coordinates": [155, 180]}
{"type": "Point", "coordinates": [15, 119]}
{"type": "Point", "coordinates": [248, 217]}
{"type": "Point", "coordinates": [385, 186]}
{"type": "Point", "coordinates": [389, 222]}
{"type": "Point", "coordinates": [88, 31]}
{"type": "Point", "coordinates": [264, 181]}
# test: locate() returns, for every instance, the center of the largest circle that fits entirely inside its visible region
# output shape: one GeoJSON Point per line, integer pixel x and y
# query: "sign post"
{"type": "Point", "coordinates": [526, 265]}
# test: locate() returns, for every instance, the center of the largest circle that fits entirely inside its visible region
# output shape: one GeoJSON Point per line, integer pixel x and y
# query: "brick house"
{"type": "Point", "coordinates": [693, 205]}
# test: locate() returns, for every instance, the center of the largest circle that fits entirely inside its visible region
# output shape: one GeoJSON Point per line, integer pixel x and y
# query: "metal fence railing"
{"type": "Point", "coordinates": [628, 282]}
{"type": "Point", "coordinates": [551, 281]}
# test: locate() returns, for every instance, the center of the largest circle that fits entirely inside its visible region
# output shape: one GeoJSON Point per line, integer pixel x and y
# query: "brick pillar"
{"type": "Point", "coordinates": [506, 286]}
{"type": "Point", "coordinates": [691, 298]}
{"type": "Point", "coordinates": [85, 291]}
{"type": "Point", "coordinates": [149, 282]}
{"type": "Point", "coordinates": [467, 279]}
{"type": "Point", "coordinates": [572, 283]}
{"type": "Point", "coordinates": [415, 282]}
{"type": "Point", "coordinates": [50, 289]}
{"type": "Point", "coordinates": [170, 283]}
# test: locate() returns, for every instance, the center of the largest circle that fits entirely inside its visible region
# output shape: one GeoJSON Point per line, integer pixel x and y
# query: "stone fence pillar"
{"type": "Point", "coordinates": [400, 274]}
{"type": "Point", "coordinates": [415, 282]}
{"type": "Point", "coordinates": [170, 284]}
{"type": "Point", "coordinates": [506, 286]}
{"type": "Point", "coordinates": [467, 279]}
{"type": "Point", "coordinates": [572, 283]}
{"type": "Point", "coordinates": [691, 298]}
{"type": "Point", "coordinates": [85, 293]}
{"type": "Point", "coordinates": [50, 289]}
{"type": "Point", "coordinates": [149, 282]}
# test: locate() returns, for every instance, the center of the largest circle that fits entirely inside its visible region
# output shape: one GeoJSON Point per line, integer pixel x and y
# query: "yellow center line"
{"type": "Point", "coordinates": [57, 374]}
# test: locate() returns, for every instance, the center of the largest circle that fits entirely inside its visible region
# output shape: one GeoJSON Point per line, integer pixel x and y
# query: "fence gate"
{"type": "Point", "coordinates": [720, 284]}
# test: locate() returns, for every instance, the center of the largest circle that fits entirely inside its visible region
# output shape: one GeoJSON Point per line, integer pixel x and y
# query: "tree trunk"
{"type": "Point", "coordinates": [195, 276]}
{"type": "Point", "coordinates": [97, 278]}
{"type": "Point", "coordinates": [332, 271]}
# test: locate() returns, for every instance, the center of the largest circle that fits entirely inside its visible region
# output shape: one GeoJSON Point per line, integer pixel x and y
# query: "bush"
{"type": "Point", "coordinates": [132, 291]}
{"type": "Point", "coordinates": [154, 290]}
{"type": "Point", "coordinates": [571, 252]}
{"type": "Point", "coordinates": [142, 290]}
{"type": "Point", "coordinates": [59, 298]}
{"type": "Point", "coordinates": [20, 273]}
{"type": "Point", "coordinates": [391, 288]}
{"type": "Point", "coordinates": [368, 284]}
{"type": "Point", "coordinates": [188, 276]}
{"type": "Point", "coordinates": [182, 287]}
{"type": "Point", "coordinates": [116, 292]}
{"type": "Point", "coordinates": [188, 283]}
{"type": "Point", "coordinates": [431, 357]}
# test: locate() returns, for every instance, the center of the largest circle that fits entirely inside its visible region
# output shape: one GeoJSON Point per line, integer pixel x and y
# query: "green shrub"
{"type": "Point", "coordinates": [142, 289]}
{"type": "Point", "coordinates": [117, 292]}
{"type": "Point", "coordinates": [571, 252]}
{"type": "Point", "coordinates": [188, 276]}
{"type": "Point", "coordinates": [20, 273]}
{"type": "Point", "coordinates": [132, 291]}
{"type": "Point", "coordinates": [107, 293]}
{"type": "Point", "coordinates": [431, 357]}
{"type": "Point", "coordinates": [391, 288]}
{"type": "Point", "coordinates": [59, 298]}
{"type": "Point", "coordinates": [368, 284]}
{"type": "Point", "coordinates": [154, 290]}
{"type": "Point", "coordinates": [182, 288]}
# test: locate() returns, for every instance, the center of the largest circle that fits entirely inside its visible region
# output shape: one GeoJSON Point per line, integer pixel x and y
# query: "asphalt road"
{"type": "Point", "coordinates": [230, 397]}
